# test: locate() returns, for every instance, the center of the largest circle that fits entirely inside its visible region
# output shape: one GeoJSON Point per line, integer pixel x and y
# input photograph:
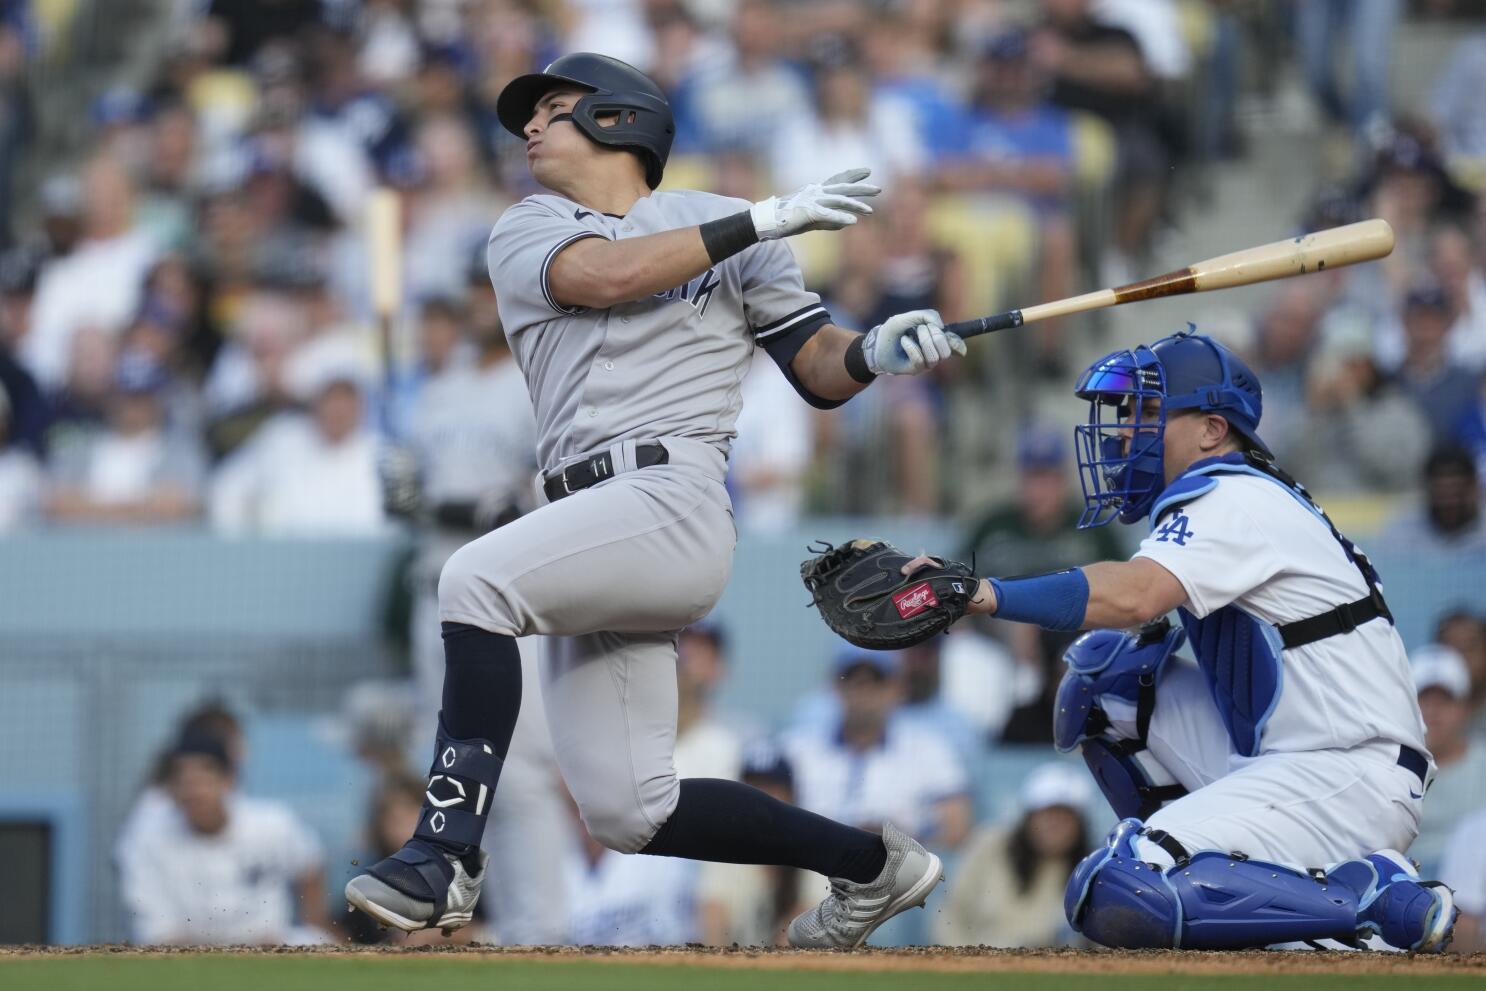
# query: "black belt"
{"type": "Point", "coordinates": [1412, 760]}
{"type": "Point", "coordinates": [1342, 619]}
{"type": "Point", "coordinates": [598, 468]}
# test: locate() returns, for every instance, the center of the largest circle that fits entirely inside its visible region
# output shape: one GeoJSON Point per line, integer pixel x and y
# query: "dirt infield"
{"type": "Point", "coordinates": [963, 960]}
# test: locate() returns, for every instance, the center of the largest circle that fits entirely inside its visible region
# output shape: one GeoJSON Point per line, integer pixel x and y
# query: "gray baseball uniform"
{"type": "Point", "coordinates": [612, 572]}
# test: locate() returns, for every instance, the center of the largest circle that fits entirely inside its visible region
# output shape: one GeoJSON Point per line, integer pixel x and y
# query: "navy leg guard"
{"type": "Point", "coordinates": [1407, 912]}
{"type": "Point", "coordinates": [461, 787]}
{"type": "Point", "coordinates": [1210, 901]}
{"type": "Point", "coordinates": [1126, 783]}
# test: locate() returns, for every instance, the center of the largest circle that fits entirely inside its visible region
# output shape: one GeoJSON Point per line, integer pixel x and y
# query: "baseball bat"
{"type": "Point", "coordinates": [384, 235]}
{"type": "Point", "coordinates": [1331, 248]}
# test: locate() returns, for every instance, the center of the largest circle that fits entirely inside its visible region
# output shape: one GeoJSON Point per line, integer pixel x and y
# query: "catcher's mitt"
{"type": "Point", "coordinates": [862, 594]}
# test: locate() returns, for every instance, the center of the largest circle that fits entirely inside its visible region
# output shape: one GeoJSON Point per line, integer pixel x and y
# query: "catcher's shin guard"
{"type": "Point", "coordinates": [1206, 901]}
{"type": "Point", "coordinates": [434, 880]}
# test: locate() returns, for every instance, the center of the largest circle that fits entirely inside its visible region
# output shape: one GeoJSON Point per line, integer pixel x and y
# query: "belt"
{"type": "Point", "coordinates": [1412, 760]}
{"type": "Point", "coordinates": [600, 467]}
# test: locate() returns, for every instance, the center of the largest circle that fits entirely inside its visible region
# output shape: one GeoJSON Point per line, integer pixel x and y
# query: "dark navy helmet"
{"type": "Point", "coordinates": [643, 116]}
{"type": "Point", "coordinates": [1121, 452]}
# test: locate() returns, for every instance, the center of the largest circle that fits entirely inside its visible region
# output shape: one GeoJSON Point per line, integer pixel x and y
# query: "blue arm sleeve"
{"type": "Point", "coordinates": [1054, 602]}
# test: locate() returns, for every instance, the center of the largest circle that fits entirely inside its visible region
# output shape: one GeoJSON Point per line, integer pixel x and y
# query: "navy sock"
{"type": "Point", "coordinates": [733, 823]}
{"type": "Point", "coordinates": [482, 685]}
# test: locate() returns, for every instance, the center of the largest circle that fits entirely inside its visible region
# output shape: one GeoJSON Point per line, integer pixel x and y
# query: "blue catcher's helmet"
{"type": "Point", "coordinates": [1120, 448]}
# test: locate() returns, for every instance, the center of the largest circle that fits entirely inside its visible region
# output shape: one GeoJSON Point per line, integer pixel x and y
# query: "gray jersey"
{"type": "Point", "coordinates": [667, 366]}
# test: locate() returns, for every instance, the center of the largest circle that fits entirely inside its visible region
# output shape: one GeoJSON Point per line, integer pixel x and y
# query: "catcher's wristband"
{"type": "Point", "coordinates": [856, 361]}
{"type": "Point", "coordinates": [728, 236]}
{"type": "Point", "coordinates": [1057, 601]}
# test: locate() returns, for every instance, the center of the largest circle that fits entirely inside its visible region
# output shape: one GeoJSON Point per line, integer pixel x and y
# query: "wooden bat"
{"type": "Point", "coordinates": [384, 234]}
{"type": "Point", "coordinates": [1316, 252]}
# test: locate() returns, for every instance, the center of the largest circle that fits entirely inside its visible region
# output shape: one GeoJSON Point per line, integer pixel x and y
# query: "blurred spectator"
{"type": "Point", "coordinates": [1444, 688]}
{"type": "Point", "coordinates": [741, 102]}
{"type": "Point", "coordinates": [846, 125]}
{"type": "Point", "coordinates": [1440, 387]}
{"type": "Point", "coordinates": [620, 899]}
{"type": "Point", "coordinates": [1463, 868]}
{"type": "Point", "coordinates": [1455, 103]}
{"type": "Point", "coordinates": [885, 447]}
{"type": "Point", "coordinates": [97, 284]}
{"type": "Point", "coordinates": [1450, 518]}
{"type": "Point", "coordinates": [138, 468]}
{"type": "Point", "coordinates": [225, 869]}
{"type": "Point", "coordinates": [1363, 433]}
{"type": "Point", "coordinates": [1366, 27]}
{"type": "Point", "coordinates": [313, 474]}
{"type": "Point", "coordinates": [1286, 342]}
{"type": "Point", "coordinates": [769, 459]}
{"type": "Point", "coordinates": [1454, 261]}
{"type": "Point", "coordinates": [450, 211]}
{"type": "Point", "coordinates": [925, 699]}
{"type": "Point", "coordinates": [154, 809]}
{"type": "Point", "coordinates": [1099, 68]}
{"type": "Point", "coordinates": [1014, 141]}
{"type": "Point", "coordinates": [16, 112]}
{"type": "Point", "coordinates": [248, 382]}
{"type": "Point", "coordinates": [1465, 633]}
{"type": "Point", "coordinates": [1036, 534]}
{"type": "Point", "coordinates": [904, 51]}
{"type": "Point", "coordinates": [1008, 889]}
{"type": "Point", "coordinates": [236, 30]}
{"type": "Point", "coordinates": [706, 746]}
{"type": "Point", "coordinates": [20, 475]}
{"type": "Point", "coordinates": [751, 904]}
{"type": "Point", "coordinates": [869, 768]}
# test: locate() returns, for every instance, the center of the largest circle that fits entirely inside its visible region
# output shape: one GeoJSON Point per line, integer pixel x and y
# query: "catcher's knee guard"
{"type": "Point", "coordinates": [1126, 666]}
{"type": "Point", "coordinates": [1206, 901]}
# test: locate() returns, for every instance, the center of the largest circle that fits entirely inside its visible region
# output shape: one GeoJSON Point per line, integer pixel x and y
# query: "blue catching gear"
{"type": "Point", "coordinates": [1127, 666]}
{"type": "Point", "coordinates": [1240, 655]}
{"type": "Point", "coordinates": [1394, 903]}
{"type": "Point", "coordinates": [1206, 901]}
{"type": "Point", "coordinates": [461, 787]}
{"type": "Point", "coordinates": [1121, 447]}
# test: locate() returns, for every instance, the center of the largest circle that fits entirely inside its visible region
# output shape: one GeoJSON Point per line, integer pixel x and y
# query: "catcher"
{"type": "Point", "coordinates": [1267, 790]}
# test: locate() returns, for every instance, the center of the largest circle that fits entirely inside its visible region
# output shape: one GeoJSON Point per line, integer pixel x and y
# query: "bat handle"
{"type": "Point", "coordinates": [985, 325]}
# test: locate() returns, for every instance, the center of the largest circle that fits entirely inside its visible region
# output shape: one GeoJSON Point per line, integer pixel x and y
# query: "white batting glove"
{"type": "Point", "coordinates": [909, 343]}
{"type": "Point", "coordinates": [820, 206]}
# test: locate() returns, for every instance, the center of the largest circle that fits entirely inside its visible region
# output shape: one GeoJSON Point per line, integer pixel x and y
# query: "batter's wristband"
{"type": "Point", "coordinates": [856, 361]}
{"type": "Point", "coordinates": [1057, 601]}
{"type": "Point", "coordinates": [726, 237]}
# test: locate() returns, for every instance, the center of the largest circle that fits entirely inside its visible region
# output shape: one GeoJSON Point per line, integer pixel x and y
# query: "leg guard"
{"type": "Point", "coordinates": [461, 784]}
{"type": "Point", "coordinates": [1135, 786]}
{"type": "Point", "coordinates": [1208, 901]}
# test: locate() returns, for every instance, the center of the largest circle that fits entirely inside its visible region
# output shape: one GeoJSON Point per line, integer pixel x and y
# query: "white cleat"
{"type": "Point", "coordinates": [853, 911]}
{"type": "Point", "coordinates": [391, 906]}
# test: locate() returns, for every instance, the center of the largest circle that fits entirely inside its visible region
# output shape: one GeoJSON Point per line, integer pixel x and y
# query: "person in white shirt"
{"type": "Point", "coordinates": [225, 869]}
{"type": "Point", "coordinates": [706, 746]}
{"type": "Point", "coordinates": [617, 900]}
{"type": "Point", "coordinates": [1464, 869]}
{"type": "Point", "coordinates": [1444, 687]}
{"type": "Point", "coordinates": [1294, 749]}
{"type": "Point", "coordinates": [139, 469]}
{"type": "Point", "coordinates": [867, 768]}
{"type": "Point", "coordinates": [305, 475]}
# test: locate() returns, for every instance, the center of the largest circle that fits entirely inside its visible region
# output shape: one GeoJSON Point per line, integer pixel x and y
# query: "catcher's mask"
{"type": "Point", "coordinates": [1121, 450]}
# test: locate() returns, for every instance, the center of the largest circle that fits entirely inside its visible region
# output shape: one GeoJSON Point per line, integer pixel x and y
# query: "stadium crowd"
{"type": "Point", "coordinates": [186, 338]}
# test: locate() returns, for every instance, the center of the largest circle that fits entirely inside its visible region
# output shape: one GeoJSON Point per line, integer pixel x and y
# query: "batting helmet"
{"type": "Point", "coordinates": [1120, 448]}
{"type": "Point", "coordinates": [644, 123]}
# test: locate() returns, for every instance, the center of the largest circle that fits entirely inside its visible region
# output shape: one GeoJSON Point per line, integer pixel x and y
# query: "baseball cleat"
{"type": "Point", "coordinates": [419, 887]}
{"type": "Point", "coordinates": [852, 911]}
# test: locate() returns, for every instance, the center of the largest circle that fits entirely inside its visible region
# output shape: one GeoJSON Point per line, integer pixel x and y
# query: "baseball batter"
{"type": "Point", "coordinates": [1266, 789]}
{"type": "Point", "coordinates": [633, 315]}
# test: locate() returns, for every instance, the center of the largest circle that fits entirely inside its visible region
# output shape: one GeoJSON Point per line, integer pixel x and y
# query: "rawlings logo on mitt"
{"type": "Point", "coordinates": [862, 594]}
